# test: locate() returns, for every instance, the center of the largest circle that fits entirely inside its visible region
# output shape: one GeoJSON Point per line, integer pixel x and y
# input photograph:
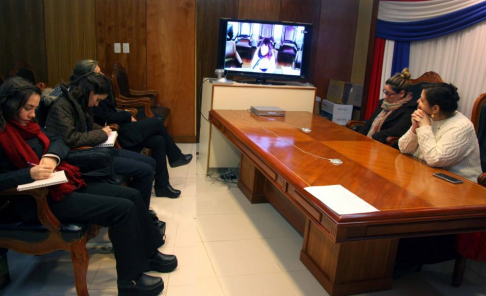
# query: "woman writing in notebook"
{"type": "Point", "coordinates": [135, 135]}
{"type": "Point", "coordinates": [70, 116]}
{"type": "Point", "coordinates": [27, 153]}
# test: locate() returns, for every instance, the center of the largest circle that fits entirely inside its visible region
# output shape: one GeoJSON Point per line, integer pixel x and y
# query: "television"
{"type": "Point", "coordinates": [264, 49]}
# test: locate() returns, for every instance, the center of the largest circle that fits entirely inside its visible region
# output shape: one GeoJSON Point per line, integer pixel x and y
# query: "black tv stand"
{"type": "Point", "coordinates": [262, 81]}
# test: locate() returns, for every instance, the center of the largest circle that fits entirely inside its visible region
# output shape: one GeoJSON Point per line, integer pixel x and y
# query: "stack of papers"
{"type": "Point", "coordinates": [340, 200]}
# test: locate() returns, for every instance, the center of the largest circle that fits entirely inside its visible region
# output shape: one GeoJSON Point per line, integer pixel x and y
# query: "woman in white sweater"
{"type": "Point", "coordinates": [440, 135]}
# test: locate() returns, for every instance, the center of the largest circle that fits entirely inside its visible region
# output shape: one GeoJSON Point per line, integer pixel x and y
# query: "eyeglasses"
{"type": "Point", "coordinates": [389, 94]}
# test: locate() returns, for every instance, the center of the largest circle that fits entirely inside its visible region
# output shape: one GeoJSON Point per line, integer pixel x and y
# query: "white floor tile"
{"type": "Point", "coordinates": [204, 267]}
{"type": "Point", "coordinates": [269, 223]}
{"type": "Point", "coordinates": [241, 257]}
{"type": "Point", "coordinates": [206, 287]}
{"type": "Point", "coordinates": [286, 251]}
{"type": "Point", "coordinates": [275, 284]}
{"type": "Point", "coordinates": [304, 283]}
{"type": "Point", "coordinates": [217, 205]}
{"type": "Point", "coordinates": [185, 273]}
{"type": "Point", "coordinates": [226, 227]}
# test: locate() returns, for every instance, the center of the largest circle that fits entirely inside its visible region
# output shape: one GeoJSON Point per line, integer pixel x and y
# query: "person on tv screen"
{"type": "Point", "coordinates": [265, 57]}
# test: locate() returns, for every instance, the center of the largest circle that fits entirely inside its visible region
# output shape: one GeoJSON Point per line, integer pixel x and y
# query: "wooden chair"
{"type": "Point", "coordinates": [478, 118]}
{"type": "Point", "coordinates": [48, 236]}
{"type": "Point", "coordinates": [146, 102]}
{"type": "Point", "coordinates": [21, 69]}
{"type": "Point", "coordinates": [416, 90]}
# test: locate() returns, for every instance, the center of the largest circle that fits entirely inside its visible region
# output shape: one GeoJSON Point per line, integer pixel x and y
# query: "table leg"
{"type": "Point", "coordinates": [351, 267]}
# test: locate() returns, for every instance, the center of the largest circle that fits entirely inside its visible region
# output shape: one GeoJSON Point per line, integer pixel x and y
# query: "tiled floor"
{"type": "Point", "coordinates": [233, 248]}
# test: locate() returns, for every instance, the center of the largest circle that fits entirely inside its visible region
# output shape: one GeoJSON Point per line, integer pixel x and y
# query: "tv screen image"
{"type": "Point", "coordinates": [263, 49]}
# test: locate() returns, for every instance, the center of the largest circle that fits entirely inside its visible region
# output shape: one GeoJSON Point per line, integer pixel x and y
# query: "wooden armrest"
{"type": "Point", "coordinates": [352, 124]}
{"type": "Point", "coordinates": [148, 92]}
{"type": "Point", "coordinates": [44, 213]}
{"type": "Point", "coordinates": [133, 111]}
{"type": "Point", "coordinates": [114, 126]}
{"type": "Point", "coordinates": [138, 102]}
{"type": "Point", "coordinates": [390, 141]}
{"type": "Point", "coordinates": [482, 179]}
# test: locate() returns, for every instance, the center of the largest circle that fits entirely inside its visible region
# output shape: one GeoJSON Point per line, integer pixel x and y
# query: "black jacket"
{"type": "Point", "coordinates": [67, 119]}
{"type": "Point", "coordinates": [106, 112]}
{"type": "Point", "coordinates": [395, 125]}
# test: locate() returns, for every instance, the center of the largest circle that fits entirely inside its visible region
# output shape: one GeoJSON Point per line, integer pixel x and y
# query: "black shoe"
{"type": "Point", "coordinates": [167, 191]}
{"type": "Point", "coordinates": [153, 215]}
{"type": "Point", "coordinates": [160, 225]}
{"type": "Point", "coordinates": [145, 285]}
{"type": "Point", "coordinates": [183, 160]}
{"type": "Point", "coordinates": [163, 263]}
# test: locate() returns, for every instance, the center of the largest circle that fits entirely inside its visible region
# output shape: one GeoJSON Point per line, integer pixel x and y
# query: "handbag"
{"type": "Point", "coordinates": [95, 164]}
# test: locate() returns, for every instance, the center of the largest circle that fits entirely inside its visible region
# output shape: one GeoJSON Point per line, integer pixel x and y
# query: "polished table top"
{"type": "Point", "coordinates": [401, 187]}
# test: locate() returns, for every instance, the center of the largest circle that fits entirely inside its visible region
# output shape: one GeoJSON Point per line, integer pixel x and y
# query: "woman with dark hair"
{"type": "Point", "coordinates": [71, 117]}
{"type": "Point", "coordinates": [135, 135]}
{"type": "Point", "coordinates": [392, 116]}
{"type": "Point", "coordinates": [27, 153]}
{"type": "Point", "coordinates": [442, 136]}
{"type": "Point", "coordinates": [264, 59]}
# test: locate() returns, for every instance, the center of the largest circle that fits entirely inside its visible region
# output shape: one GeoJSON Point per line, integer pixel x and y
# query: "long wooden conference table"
{"type": "Point", "coordinates": [354, 253]}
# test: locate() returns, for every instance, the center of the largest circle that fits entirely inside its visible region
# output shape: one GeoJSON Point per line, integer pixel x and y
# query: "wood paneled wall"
{"type": "Point", "coordinates": [123, 21]}
{"type": "Point", "coordinates": [334, 32]}
{"type": "Point", "coordinates": [70, 36]}
{"type": "Point", "coordinates": [259, 9]}
{"type": "Point", "coordinates": [304, 11]}
{"type": "Point", "coordinates": [171, 69]}
{"type": "Point", "coordinates": [336, 37]}
{"type": "Point", "coordinates": [23, 37]}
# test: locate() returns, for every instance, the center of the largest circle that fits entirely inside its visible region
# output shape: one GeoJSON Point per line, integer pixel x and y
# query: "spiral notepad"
{"type": "Point", "coordinates": [111, 140]}
{"type": "Point", "coordinates": [54, 179]}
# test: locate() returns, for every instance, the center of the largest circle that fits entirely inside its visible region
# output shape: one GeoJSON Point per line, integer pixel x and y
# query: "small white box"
{"type": "Point", "coordinates": [337, 113]}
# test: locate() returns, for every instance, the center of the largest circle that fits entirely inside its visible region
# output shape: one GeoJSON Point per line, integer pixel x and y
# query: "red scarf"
{"type": "Point", "coordinates": [20, 154]}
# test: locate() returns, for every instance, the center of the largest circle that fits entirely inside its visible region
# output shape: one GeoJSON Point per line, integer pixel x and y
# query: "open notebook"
{"type": "Point", "coordinates": [111, 140]}
{"type": "Point", "coordinates": [54, 179]}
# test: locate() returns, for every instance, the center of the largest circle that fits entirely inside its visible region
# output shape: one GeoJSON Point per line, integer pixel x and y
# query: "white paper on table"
{"type": "Point", "coordinates": [340, 200]}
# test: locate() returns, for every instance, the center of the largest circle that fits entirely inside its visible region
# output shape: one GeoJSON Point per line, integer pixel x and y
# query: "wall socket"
{"type": "Point", "coordinates": [117, 48]}
{"type": "Point", "coordinates": [126, 47]}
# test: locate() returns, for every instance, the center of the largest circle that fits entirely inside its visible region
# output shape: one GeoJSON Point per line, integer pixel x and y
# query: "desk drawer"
{"type": "Point", "coordinates": [304, 203]}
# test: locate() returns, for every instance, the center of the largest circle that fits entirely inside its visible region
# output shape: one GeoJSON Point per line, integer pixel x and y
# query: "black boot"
{"type": "Point", "coordinates": [162, 263]}
{"type": "Point", "coordinates": [183, 160]}
{"type": "Point", "coordinates": [167, 191]}
{"type": "Point", "coordinates": [145, 285]}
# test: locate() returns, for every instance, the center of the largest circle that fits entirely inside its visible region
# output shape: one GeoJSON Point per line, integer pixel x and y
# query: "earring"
{"type": "Point", "coordinates": [432, 116]}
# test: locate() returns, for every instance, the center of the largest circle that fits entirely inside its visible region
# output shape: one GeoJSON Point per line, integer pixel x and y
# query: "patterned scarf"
{"type": "Point", "coordinates": [12, 139]}
{"type": "Point", "coordinates": [387, 109]}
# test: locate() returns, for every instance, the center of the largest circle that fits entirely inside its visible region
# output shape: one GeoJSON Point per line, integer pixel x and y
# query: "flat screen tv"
{"type": "Point", "coordinates": [264, 49]}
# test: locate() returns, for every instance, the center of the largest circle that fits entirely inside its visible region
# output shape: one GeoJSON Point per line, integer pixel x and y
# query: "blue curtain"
{"type": "Point", "coordinates": [434, 27]}
{"type": "Point", "coordinates": [401, 56]}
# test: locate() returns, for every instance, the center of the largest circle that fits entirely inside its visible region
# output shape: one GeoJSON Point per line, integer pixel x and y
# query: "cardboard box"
{"type": "Point", "coordinates": [347, 93]}
{"type": "Point", "coordinates": [337, 113]}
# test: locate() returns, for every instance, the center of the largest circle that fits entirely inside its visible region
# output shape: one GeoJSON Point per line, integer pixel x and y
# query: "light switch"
{"type": "Point", "coordinates": [117, 48]}
{"type": "Point", "coordinates": [126, 47]}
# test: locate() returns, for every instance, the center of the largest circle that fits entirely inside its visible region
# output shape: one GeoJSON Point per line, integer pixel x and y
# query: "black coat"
{"type": "Point", "coordinates": [130, 134]}
{"type": "Point", "coordinates": [106, 113]}
{"type": "Point", "coordinates": [67, 119]}
{"type": "Point", "coordinates": [395, 125]}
